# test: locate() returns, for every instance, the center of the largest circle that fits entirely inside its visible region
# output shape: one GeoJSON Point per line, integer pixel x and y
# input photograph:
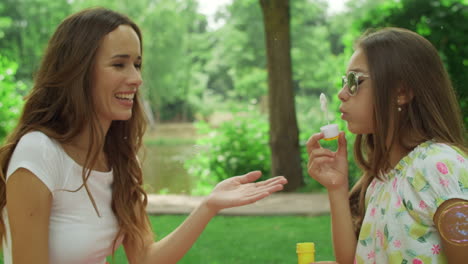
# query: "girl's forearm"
{"type": "Point", "coordinates": [344, 239]}
{"type": "Point", "coordinates": [174, 246]}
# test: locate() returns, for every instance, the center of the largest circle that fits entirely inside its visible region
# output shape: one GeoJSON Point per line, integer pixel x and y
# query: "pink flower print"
{"type": "Point", "coordinates": [397, 243]}
{"type": "Point", "coordinates": [380, 237]}
{"type": "Point", "coordinates": [460, 159]}
{"type": "Point", "coordinates": [398, 202]}
{"type": "Point", "coordinates": [422, 205]}
{"type": "Point", "coordinates": [372, 212]}
{"type": "Point", "coordinates": [371, 255]}
{"type": "Point", "coordinates": [394, 183]}
{"type": "Point", "coordinates": [444, 182]}
{"type": "Point", "coordinates": [373, 183]}
{"type": "Point", "coordinates": [442, 168]}
{"type": "Point", "coordinates": [435, 249]}
{"type": "Point", "coordinates": [417, 261]}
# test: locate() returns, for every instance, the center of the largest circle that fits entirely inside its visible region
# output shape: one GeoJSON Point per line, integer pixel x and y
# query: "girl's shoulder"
{"type": "Point", "coordinates": [438, 165]}
{"type": "Point", "coordinates": [431, 152]}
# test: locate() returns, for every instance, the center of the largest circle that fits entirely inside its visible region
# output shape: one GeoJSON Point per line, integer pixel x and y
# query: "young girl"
{"type": "Point", "coordinates": [71, 189]}
{"type": "Point", "coordinates": [410, 205]}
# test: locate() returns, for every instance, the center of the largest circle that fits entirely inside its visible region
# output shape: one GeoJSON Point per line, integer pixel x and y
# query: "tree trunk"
{"type": "Point", "coordinates": [284, 133]}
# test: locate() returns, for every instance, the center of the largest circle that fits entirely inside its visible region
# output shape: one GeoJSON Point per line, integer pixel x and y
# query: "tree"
{"type": "Point", "coordinates": [284, 131]}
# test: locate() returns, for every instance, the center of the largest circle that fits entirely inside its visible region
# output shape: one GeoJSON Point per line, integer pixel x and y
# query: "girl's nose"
{"type": "Point", "coordinates": [342, 94]}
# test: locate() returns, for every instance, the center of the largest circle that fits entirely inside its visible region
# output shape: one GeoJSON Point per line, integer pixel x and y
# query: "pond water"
{"type": "Point", "coordinates": [163, 169]}
{"type": "Point", "coordinates": [163, 164]}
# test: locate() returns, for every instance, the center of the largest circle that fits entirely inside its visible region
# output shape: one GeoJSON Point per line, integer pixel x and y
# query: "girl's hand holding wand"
{"type": "Point", "coordinates": [327, 167]}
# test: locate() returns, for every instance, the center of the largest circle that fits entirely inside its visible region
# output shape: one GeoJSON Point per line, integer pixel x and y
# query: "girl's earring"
{"type": "Point", "coordinates": [399, 107]}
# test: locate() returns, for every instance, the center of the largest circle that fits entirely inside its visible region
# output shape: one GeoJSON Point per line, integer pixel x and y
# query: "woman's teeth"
{"type": "Point", "coordinates": [125, 96]}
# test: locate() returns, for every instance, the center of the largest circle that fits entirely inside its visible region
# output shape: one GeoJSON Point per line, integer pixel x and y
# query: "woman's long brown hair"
{"type": "Point", "coordinates": [401, 61]}
{"type": "Point", "coordinates": [60, 105]}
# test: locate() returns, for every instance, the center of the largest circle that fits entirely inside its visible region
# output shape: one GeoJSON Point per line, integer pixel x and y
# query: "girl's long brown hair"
{"type": "Point", "coordinates": [401, 61]}
{"type": "Point", "coordinates": [60, 105]}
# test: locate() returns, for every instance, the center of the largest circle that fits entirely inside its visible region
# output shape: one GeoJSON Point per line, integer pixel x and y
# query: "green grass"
{"type": "Point", "coordinates": [249, 239]}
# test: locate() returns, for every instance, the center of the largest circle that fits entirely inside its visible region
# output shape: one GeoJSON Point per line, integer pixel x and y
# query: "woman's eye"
{"type": "Point", "coordinates": [118, 65]}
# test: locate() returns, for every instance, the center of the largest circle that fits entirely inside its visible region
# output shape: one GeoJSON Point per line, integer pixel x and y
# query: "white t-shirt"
{"type": "Point", "coordinates": [76, 233]}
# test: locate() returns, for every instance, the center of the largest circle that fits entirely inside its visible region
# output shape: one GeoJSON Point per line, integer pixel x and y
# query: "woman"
{"type": "Point", "coordinates": [72, 183]}
{"type": "Point", "coordinates": [410, 206]}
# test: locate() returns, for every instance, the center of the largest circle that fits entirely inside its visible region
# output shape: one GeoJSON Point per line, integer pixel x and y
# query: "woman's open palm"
{"type": "Point", "coordinates": [242, 190]}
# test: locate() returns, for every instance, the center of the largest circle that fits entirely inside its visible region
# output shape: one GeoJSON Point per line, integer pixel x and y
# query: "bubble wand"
{"type": "Point", "coordinates": [330, 131]}
{"type": "Point", "coordinates": [323, 106]}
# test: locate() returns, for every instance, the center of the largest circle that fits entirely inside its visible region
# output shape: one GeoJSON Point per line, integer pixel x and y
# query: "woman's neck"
{"type": "Point", "coordinates": [79, 146]}
{"type": "Point", "coordinates": [86, 136]}
{"type": "Point", "coordinates": [399, 149]}
{"type": "Point", "coordinates": [397, 152]}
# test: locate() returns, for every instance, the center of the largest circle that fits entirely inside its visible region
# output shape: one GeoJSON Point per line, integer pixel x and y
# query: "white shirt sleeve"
{"type": "Point", "coordinates": [40, 155]}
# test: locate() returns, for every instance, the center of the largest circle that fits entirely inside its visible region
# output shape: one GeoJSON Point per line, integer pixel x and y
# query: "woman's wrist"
{"type": "Point", "coordinates": [339, 191]}
{"type": "Point", "coordinates": [206, 206]}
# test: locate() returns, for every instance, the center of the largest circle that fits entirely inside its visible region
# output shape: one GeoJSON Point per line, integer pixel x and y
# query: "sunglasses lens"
{"type": "Point", "coordinates": [352, 84]}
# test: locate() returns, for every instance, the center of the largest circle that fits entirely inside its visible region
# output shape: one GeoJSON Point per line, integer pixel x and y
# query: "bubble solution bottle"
{"type": "Point", "coordinates": [330, 131]}
{"type": "Point", "coordinates": [305, 253]}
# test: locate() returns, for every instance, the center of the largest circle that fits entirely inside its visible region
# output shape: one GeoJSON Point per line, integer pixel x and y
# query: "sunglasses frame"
{"type": "Point", "coordinates": [345, 80]}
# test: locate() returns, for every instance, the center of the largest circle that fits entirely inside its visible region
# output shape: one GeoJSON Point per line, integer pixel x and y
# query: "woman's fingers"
{"type": "Point", "coordinates": [316, 165]}
{"type": "Point", "coordinates": [342, 144]}
{"type": "Point", "coordinates": [313, 142]}
{"type": "Point", "coordinates": [250, 177]}
{"type": "Point", "coordinates": [272, 181]}
{"type": "Point", "coordinates": [318, 153]}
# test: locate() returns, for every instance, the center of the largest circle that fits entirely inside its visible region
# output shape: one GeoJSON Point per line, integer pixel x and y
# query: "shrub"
{"type": "Point", "coordinates": [242, 145]}
{"type": "Point", "coordinates": [234, 148]}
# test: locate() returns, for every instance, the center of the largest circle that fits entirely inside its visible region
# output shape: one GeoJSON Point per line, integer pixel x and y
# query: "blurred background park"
{"type": "Point", "coordinates": [208, 84]}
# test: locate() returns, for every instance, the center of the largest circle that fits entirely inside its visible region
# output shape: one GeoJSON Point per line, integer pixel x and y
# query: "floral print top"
{"type": "Point", "coordinates": [398, 225]}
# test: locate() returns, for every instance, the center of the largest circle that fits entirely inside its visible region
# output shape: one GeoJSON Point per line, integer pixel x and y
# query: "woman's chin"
{"type": "Point", "coordinates": [123, 116]}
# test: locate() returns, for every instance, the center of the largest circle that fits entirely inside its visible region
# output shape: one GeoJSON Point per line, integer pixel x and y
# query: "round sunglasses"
{"type": "Point", "coordinates": [352, 81]}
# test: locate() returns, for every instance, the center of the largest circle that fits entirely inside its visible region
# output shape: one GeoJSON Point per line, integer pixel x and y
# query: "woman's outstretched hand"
{"type": "Point", "coordinates": [242, 190]}
{"type": "Point", "coordinates": [325, 166]}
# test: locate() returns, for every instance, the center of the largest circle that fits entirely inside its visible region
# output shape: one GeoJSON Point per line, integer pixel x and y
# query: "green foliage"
{"type": "Point", "coordinates": [240, 48]}
{"type": "Point", "coordinates": [234, 148]}
{"type": "Point", "coordinates": [25, 27]}
{"type": "Point", "coordinates": [315, 67]}
{"type": "Point", "coordinates": [10, 97]}
{"type": "Point", "coordinates": [237, 67]}
{"type": "Point", "coordinates": [172, 66]}
{"type": "Point", "coordinates": [241, 145]}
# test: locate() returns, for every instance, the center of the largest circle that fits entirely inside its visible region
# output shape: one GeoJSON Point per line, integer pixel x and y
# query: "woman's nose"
{"type": "Point", "coordinates": [135, 78]}
{"type": "Point", "coordinates": [342, 94]}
